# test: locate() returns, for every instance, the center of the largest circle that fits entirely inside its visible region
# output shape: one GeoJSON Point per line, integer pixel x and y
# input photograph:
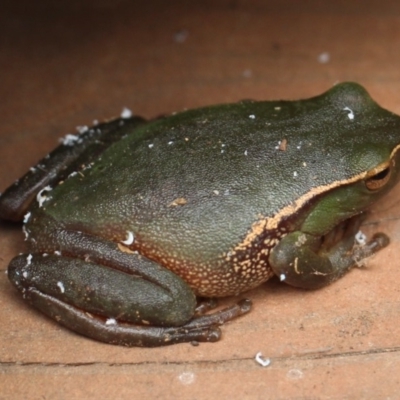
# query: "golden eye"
{"type": "Point", "coordinates": [377, 178]}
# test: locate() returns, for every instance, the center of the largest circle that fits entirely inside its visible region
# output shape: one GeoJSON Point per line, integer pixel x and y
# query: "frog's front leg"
{"type": "Point", "coordinates": [75, 153]}
{"type": "Point", "coordinates": [310, 262]}
{"type": "Point", "coordinates": [113, 296]}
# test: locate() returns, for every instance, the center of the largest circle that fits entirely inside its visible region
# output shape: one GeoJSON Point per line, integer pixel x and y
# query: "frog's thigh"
{"type": "Point", "coordinates": [105, 291]}
{"type": "Point", "coordinates": [298, 261]}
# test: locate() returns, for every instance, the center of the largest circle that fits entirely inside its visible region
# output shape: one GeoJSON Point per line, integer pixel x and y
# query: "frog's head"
{"type": "Point", "coordinates": [368, 158]}
{"type": "Point", "coordinates": [331, 204]}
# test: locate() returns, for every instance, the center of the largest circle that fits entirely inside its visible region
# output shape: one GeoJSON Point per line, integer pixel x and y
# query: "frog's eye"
{"type": "Point", "coordinates": [378, 177]}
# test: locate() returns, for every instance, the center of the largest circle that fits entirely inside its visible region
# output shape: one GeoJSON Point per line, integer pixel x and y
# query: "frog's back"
{"type": "Point", "coordinates": [197, 182]}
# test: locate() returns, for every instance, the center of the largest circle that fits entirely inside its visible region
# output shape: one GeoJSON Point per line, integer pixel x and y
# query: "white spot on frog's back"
{"type": "Point", "coordinates": [26, 217]}
{"type": "Point", "coordinates": [60, 285]}
{"type": "Point", "coordinates": [350, 113]}
{"type": "Point", "coordinates": [82, 128]}
{"type": "Point", "coordinates": [28, 260]}
{"type": "Point", "coordinates": [70, 140]}
{"type": "Point", "coordinates": [25, 232]}
{"type": "Point", "coordinates": [187, 378]}
{"type": "Point", "coordinates": [111, 321]}
{"type": "Point", "coordinates": [130, 238]}
{"type": "Point", "coordinates": [41, 198]}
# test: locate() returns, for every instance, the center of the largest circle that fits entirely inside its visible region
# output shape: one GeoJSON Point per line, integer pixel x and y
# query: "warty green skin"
{"type": "Point", "coordinates": [198, 192]}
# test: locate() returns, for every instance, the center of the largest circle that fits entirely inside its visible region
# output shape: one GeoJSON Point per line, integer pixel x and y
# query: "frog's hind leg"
{"type": "Point", "coordinates": [113, 296]}
{"type": "Point", "coordinates": [75, 153]}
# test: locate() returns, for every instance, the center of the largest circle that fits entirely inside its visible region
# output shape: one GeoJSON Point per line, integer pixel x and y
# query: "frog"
{"type": "Point", "coordinates": [135, 226]}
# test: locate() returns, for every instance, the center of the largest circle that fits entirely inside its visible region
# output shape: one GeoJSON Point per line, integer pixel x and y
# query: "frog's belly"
{"type": "Point", "coordinates": [218, 278]}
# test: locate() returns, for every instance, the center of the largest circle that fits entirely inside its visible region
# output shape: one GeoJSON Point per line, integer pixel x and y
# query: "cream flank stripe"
{"type": "Point", "coordinates": [267, 224]}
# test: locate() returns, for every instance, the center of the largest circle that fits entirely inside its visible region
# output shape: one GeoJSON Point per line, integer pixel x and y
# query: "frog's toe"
{"type": "Point", "coordinates": [222, 316]}
{"type": "Point", "coordinates": [115, 332]}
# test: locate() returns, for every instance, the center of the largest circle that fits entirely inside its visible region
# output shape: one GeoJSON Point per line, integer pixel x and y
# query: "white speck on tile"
{"type": "Point", "coordinates": [295, 374]}
{"type": "Point", "coordinates": [126, 113]}
{"type": "Point", "coordinates": [181, 36]}
{"type": "Point", "coordinates": [187, 378]}
{"type": "Point", "coordinates": [245, 152]}
{"type": "Point", "coordinates": [247, 73]}
{"type": "Point", "coordinates": [252, 116]}
{"type": "Point", "coordinates": [262, 361]}
{"type": "Point", "coordinates": [294, 174]}
{"type": "Point", "coordinates": [324, 57]}
{"type": "Point", "coordinates": [151, 145]}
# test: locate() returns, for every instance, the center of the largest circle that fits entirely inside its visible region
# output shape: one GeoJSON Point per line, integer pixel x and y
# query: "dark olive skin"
{"type": "Point", "coordinates": [130, 222]}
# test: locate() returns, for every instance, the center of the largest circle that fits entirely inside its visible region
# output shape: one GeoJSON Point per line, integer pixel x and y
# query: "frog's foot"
{"type": "Point", "coordinates": [222, 316]}
{"type": "Point", "coordinates": [361, 252]}
{"type": "Point", "coordinates": [202, 329]}
{"type": "Point", "coordinates": [74, 154]}
{"type": "Point", "coordinates": [310, 262]}
{"type": "Point", "coordinates": [204, 305]}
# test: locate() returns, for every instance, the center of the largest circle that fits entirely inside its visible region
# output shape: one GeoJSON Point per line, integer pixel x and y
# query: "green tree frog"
{"type": "Point", "coordinates": [130, 222]}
